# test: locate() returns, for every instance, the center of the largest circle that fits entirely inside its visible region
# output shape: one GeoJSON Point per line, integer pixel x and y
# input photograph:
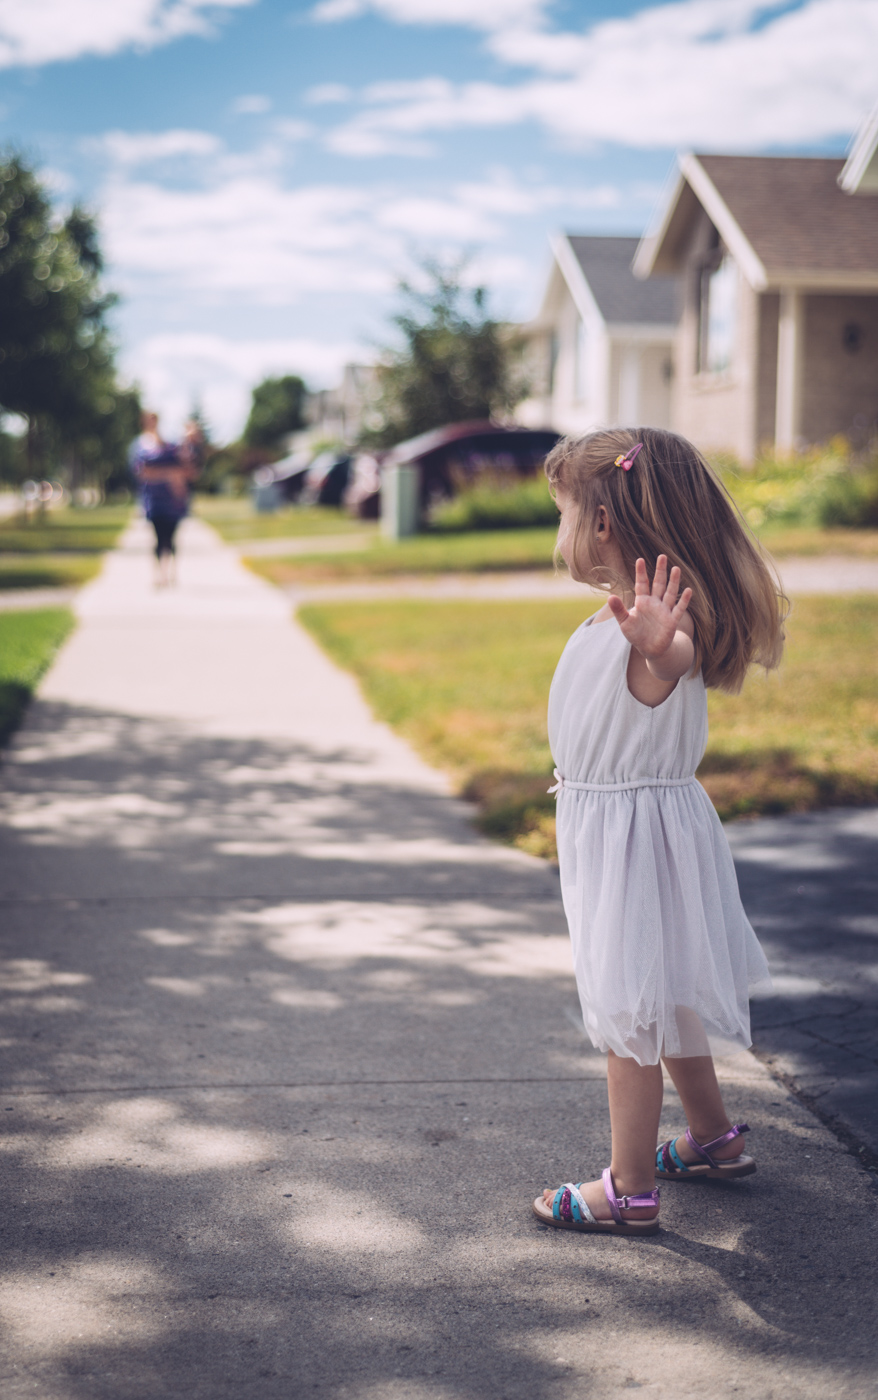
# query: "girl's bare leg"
{"type": "Point", "coordinates": [635, 1109]}
{"type": "Point", "coordinates": [695, 1081]}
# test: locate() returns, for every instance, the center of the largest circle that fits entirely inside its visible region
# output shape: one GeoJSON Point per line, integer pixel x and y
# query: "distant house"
{"type": "Point", "coordinates": [599, 351]}
{"type": "Point", "coordinates": [777, 343]}
{"type": "Point", "coordinates": [339, 415]}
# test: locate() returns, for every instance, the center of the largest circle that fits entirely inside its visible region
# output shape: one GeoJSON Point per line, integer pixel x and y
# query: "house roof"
{"type": "Point", "coordinates": [860, 173]}
{"type": "Point", "coordinates": [605, 263]}
{"type": "Point", "coordinates": [784, 219]}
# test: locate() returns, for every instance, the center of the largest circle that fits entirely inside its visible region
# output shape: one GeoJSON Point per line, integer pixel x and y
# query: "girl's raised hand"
{"type": "Point", "coordinates": [652, 624]}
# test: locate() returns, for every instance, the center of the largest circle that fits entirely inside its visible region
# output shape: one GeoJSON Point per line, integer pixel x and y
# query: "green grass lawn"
{"type": "Point", "coordinates": [58, 549]}
{"type": "Point", "coordinates": [808, 542]}
{"type": "Point", "coordinates": [469, 552]}
{"type": "Point", "coordinates": [467, 684]}
{"type": "Point", "coordinates": [235, 519]}
{"type": "Point", "coordinates": [28, 642]}
{"type": "Point", "coordinates": [64, 531]}
{"type": "Point", "coordinates": [499, 550]}
{"type": "Point", "coordinates": [47, 570]}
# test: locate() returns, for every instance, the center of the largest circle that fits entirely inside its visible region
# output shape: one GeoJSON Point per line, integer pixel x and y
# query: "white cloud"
{"type": "Point", "coordinates": [329, 92]}
{"type": "Point", "coordinates": [705, 73]}
{"type": "Point", "coordinates": [288, 129]}
{"type": "Point", "coordinates": [177, 369]}
{"type": "Point", "coordinates": [250, 238]}
{"type": "Point", "coordinates": [355, 140]}
{"type": "Point", "coordinates": [246, 236]}
{"type": "Point", "coordinates": [408, 90]}
{"type": "Point", "coordinates": [46, 31]}
{"type": "Point", "coordinates": [503, 195]}
{"type": "Point", "coordinates": [251, 104]}
{"type": "Point", "coordinates": [487, 14]}
{"type": "Point", "coordinates": [130, 148]}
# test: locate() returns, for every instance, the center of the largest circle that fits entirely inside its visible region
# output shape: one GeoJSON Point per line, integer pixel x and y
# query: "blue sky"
{"type": "Point", "coordinates": [265, 170]}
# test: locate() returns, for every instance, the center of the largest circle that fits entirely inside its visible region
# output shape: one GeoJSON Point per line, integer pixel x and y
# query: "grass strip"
{"type": "Point", "coordinates": [64, 531]}
{"type": "Point", "coordinates": [467, 683]}
{"type": "Point", "coordinates": [28, 642]}
{"type": "Point", "coordinates": [486, 551]}
{"type": "Point", "coordinates": [491, 551]}
{"type": "Point", "coordinates": [47, 570]}
{"type": "Point", "coordinates": [809, 542]}
{"type": "Point", "coordinates": [237, 520]}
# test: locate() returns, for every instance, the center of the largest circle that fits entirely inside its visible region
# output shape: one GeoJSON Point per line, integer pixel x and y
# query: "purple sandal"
{"type": "Point", "coordinates": [669, 1165]}
{"type": "Point", "coordinates": [569, 1210]}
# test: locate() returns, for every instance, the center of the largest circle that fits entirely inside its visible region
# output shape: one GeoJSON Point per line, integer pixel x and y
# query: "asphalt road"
{"type": "Point", "coordinates": [810, 884]}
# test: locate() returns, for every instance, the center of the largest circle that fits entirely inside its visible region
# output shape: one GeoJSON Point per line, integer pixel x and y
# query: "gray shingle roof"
{"type": "Point", "coordinates": [606, 266]}
{"type": "Point", "coordinates": [793, 214]}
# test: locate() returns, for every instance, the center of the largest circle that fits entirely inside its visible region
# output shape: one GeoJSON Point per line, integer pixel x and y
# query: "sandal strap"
{"type": "Point", "coordinates": [704, 1149]}
{"type": "Point", "coordinates": [617, 1204]}
{"type": "Point", "coordinates": [569, 1203]}
{"type": "Point", "coordinates": [668, 1159]}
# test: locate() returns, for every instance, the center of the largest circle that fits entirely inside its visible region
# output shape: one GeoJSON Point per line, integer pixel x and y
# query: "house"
{"type": "Point", "coordinates": [599, 351]}
{"type": "Point", "coordinates": [340, 415]}
{"type": "Point", "coordinates": [777, 343]}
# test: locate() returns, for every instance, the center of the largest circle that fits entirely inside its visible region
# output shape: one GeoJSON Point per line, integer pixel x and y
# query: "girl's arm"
{"type": "Point", "coordinates": [660, 632]}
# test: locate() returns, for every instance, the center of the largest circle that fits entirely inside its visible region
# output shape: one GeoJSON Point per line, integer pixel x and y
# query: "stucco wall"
{"type": "Point", "coordinates": [839, 384]}
{"type": "Point", "coordinates": [717, 411]}
{"type": "Point", "coordinates": [651, 406]}
{"type": "Point", "coordinates": [656, 377]}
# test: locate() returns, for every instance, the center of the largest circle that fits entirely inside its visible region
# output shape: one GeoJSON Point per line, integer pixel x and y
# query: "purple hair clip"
{"type": "Point", "coordinates": [625, 460]}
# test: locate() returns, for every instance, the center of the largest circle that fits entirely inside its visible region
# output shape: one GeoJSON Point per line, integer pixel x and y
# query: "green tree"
{"type": "Point", "coordinates": [56, 357]}
{"type": "Point", "coordinates": [456, 362]}
{"type": "Point", "coordinates": [276, 409]}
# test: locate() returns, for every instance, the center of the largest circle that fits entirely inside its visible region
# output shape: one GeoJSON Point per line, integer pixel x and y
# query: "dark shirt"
{"type": "Point", "coordinates": [159, 497]}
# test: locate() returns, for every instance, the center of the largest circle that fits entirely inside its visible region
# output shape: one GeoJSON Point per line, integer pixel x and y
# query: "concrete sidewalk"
{"type": "Point", "coordinates": [289, 1050]}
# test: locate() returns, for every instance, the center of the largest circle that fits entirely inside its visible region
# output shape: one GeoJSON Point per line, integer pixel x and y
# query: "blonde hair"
{"type": "Point", "coordinates": [671, 502]}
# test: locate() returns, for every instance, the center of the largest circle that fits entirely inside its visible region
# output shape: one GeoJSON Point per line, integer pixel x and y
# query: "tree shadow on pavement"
{"type": "Point", "coordinates": [810, 884]}
{"type": "Point", "coordinates": [286, 1059]}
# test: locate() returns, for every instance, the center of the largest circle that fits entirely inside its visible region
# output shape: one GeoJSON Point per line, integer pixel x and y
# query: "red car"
{"type": "Point", "coordinates": [448, 460]}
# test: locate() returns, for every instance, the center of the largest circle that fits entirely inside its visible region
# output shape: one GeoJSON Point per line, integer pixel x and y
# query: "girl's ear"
{"type": "Point", "coordinates": [603, 523]}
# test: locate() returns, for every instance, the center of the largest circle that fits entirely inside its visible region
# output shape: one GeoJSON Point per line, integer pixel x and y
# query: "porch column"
{"type": "Point", "coordinates": [787, 425]}
{"type": "Point", "coordinates": [629, 387]}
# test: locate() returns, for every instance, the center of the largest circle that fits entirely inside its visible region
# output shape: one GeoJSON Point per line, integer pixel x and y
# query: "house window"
{"type": "Point", "coordinates": [580, 363]}
{"type": "Point", "coordinates": [717, 316]}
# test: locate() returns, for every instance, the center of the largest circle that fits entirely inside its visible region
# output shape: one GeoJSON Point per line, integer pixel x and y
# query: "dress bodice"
{"type": "Point", "coordinates": [598, 731]}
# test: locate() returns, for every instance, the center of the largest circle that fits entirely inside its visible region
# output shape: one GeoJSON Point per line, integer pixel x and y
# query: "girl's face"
{"type": "Point", "coordinates": [566, 529]}
{"type": "Point", "coordinates": [606, 549]}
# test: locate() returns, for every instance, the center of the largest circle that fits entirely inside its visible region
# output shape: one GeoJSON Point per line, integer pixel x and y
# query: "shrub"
{"type": "Point", "coordinates": [825, 486]}
{"type": "Point", "coordinates": [850, 500]}
{"type": "Point", "coordinates": [496, 503]}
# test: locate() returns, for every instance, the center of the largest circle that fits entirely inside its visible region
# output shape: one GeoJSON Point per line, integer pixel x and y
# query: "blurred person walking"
{"type": "Point", "coordinates": [164, 472]}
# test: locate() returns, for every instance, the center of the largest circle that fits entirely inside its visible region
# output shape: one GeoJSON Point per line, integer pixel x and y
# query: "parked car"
{"type": "Point", "coordinates": [327, 478]}
{"type": "Point", "coordinates": [303, 479]}
{"type": "Point", "coordinates": [449, 459]}
{"type": "Point", "coordinates": [281, 483]}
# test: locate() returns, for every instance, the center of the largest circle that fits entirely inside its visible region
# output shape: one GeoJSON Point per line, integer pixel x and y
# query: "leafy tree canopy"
{"type": "Point", "coordinates": [277, 409]}
{"type": "Point", "coordinates": [456, 361]}
{"type": "Point", "coordinates": [56, 357]}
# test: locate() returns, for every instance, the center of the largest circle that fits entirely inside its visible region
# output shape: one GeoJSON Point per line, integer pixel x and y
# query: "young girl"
{"type": "Point", "coordinates": [663, 952]}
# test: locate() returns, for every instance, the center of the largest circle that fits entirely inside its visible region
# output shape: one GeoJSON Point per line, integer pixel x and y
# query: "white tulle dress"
{"type": "Point", "coordinates": [664, 954]}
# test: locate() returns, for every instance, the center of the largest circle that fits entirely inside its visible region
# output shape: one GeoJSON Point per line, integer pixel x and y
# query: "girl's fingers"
{"type": "Point", "coordinates": [673, 587]}
{"type": "Point", "coordinates": [660, 577]}
{"type": "Point", "coordinates": [682, 605]}
{"type": "Point", "coordinates": [641, 581]}
{"type": "Point", "coordinates": [617, 608]}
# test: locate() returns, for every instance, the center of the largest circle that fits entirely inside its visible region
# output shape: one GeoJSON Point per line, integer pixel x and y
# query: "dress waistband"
{"type": "Point", "coordinates": [562, 782]}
